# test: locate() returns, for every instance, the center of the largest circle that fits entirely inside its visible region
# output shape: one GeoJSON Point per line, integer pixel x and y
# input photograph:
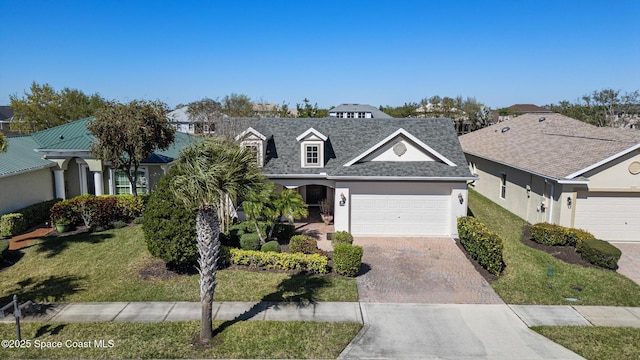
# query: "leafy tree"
{"type": "Point", "coordinates": [306, 110]}
{"type": "Point", "coordinates": [43, 107]}
{"type": "Point", "coordinates": [212, 172]}
{"type": "Point", "coordinates": [125, 134]}
{"type": "Point", "coordinates": [3, 143]}
{"type": "Point", "coordinates": [237, 105]}
{"type": "Point", "coordinates": [607, 107]}
{"type": "Point", "coordinates": [405, 111]}
{"type": "Point", "coordinates": [205, 114]}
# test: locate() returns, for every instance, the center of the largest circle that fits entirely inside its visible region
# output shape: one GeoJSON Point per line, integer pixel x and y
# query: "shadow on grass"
{"type": "Point", "coordinates": [53, 246]}
{"type": "Point", "coordinates": [299, 290]}
{"type": "Point", "coordinates": [51, 289]}
{"type": "Point", "coordinates": [49, 330]}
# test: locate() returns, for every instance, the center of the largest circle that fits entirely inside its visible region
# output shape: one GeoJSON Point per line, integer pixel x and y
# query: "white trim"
{"type": "Point", "coordinates": [602, 162]}
{"type": "Point", "coordinates": [405, 133]}
{"type": "Point", "coordinates": [27, 170]}
{"type": "Point", "coordinates": [384, 178]}
{"type": "Point", "coordinates": [112, 180]}
{"type": "Point", "coordinates": [311, 131]}
{"type": "Point", "coordinates": [303, 157]}
{"type": "Point", "coordinates": [253, 131]}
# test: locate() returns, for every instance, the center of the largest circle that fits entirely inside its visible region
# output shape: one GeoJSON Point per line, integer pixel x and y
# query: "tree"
{"type": "Point", "coordinates": [125, 134]}
{"type": "Point", "coordinates": [607, 107]}
{"type": "Point", "coordinates": [237, 105]}
{"type": "Point", "coordinates": [306, 110]}
{"type": "Point", "coordinates": [205, 115]}
{"type": "Point", "coordinates": [212, 172]}
{"type": "Point", "coordinates": [44, 108]}
{"type": "Point", "coordinates": [3, 143]}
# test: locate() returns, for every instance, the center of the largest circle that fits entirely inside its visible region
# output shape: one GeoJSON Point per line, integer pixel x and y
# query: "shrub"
{"type": "Point", "coordinates": [89, 210]}
{"type": "Point", "coordinates": [599, 252]}
{"type": "Point", "coordinates": [169, 227]}
{"type": "Point", "coordinates": [271, 246]}
{"type": "Point", "coordinates": [4, 247]}
{"type": "Point", "coordinates": [303, 244]}
{"type": "Point", "coordinates": [285, 261]}
{"type": "Point", "coordinates": [32, 215]}
{"type": "Point", "coordinates": [481, 244]}
{"type": "Point", "coordinates": [139, 220]}
{"type": "Point", "coordinates": [250, 241]}
{"type": "Point", "coordinates": [283, 231]}
{"type": "Point", "coordinates": [551, 234]}
{"type": "Point", "coordinates": [347, 259]}
{"type": "Point", "coordinates": [131, 207]}
{"type": "Point", "coordinates": [118, 224]}
{"type": "Point", "coordinates": [11, 224]}
{"type": "Point", "coordinates": [341, 237]}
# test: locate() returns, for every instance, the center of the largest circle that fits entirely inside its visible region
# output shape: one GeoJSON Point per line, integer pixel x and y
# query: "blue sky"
{"type": "Point", "coordinates": [332, 52]}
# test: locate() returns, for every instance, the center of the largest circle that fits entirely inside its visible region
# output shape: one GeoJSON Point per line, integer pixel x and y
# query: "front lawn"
{"type": "Point", "coordinates": [173, 340]}
{"type": "Point", "coordinates": [596, 343]}
{"type": "Point", "coordinates": [525, 280]}
{"type": "Point", "coordinates": [107, 266]}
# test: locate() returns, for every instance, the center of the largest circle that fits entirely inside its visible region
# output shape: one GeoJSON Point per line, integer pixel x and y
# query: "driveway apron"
{"type": "Point", "coordinates": [419, 270]}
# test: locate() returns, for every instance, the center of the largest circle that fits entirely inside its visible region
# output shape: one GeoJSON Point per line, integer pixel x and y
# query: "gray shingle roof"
{"type": "Point", "coordinates": [348, 138]}
{"type": "Point", "coordinates": [375, 112]}
{"type": "Point", "coordinates": [557, 147]}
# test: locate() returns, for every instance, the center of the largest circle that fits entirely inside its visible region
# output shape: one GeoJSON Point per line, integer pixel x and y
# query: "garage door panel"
{"type": "Point", "coordinates": [403, 215]}
{"type": "Point", "coordinates": [609, 216]}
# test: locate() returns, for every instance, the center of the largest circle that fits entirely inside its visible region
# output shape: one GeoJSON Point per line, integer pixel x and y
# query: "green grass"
{"type": "Point", "coordinates": [596, 343]}
{"type": "Point", "coordinates": [105, 267]}
{"type": "Point", "coordinates": [525, 281]}
{"type": "Point", "coordinates": [169, 340]}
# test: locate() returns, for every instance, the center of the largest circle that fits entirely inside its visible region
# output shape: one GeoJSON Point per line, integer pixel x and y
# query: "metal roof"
{"type": "Point", "coordinates": [20, 156]}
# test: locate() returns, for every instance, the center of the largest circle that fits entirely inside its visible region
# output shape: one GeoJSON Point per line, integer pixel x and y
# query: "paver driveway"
{"type": "Point", "coordinates": [629, 263]}
{"type": "Point", "coordinates": [419, 270]}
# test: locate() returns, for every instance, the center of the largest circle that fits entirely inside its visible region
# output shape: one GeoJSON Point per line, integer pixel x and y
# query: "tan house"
{"type": "Point", "coordinates": [552, 168]}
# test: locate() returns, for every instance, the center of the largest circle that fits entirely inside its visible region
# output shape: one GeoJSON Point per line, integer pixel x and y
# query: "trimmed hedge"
{"type": "Point", "coordinates": [32, 215]}
{"type": "Point", "coordinates": [554, 235]}
{"type": "Point", "coordinates": [272, 246]}
{"type": "Point", "coordinates": [250, 241]}
{"type": "Point", "coordinates": [347, 259]}
{"type": "Point", "coordinates": [481, 244]}
{"type": "Point", "coordinates": [100, 211]}
{"type": "Point", "coordinates": [283, 232]}
{"type": "Point", "coordinates": [599, 252]}
{"type": "Point", "coordinates": [285, 261]}
{"type": "Point", "coordinates": [303, 244]}
{"type": "Point", "coordinates": [11, 224]}
{"type": "Point", "coordinates": [341, 237]}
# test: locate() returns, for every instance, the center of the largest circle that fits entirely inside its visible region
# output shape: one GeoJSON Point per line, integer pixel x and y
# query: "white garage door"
{"type": "Point", "coordinates": [400, 215]}
{"type": "Point", "coordinates": [610, 216]}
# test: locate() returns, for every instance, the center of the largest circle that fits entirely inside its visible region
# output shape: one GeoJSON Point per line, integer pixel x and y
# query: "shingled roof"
{"type": "Point", "coordinates": [375, 112]}
{"type": "Point", "coordinates": [350, 138]}
{"type": "Point", "coordinates": [552, 145]}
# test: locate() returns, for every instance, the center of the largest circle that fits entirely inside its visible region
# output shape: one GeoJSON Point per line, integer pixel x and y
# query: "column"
{"type": "Point", "coordinates": [58, 176]}
{"type": "Point", "coordinates": [97, 183]}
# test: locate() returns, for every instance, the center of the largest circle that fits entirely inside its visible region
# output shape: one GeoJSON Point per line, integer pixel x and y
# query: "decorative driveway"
{"type": "Point", "coordinates": [419, 270]}
{"type": "Point", "coordinates": [629, 263]}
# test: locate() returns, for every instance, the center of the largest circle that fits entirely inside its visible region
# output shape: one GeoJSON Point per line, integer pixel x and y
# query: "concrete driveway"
{"type": "Point", "coordinates": [430, 331]}
{"type": "Point", "coordinates": [419, 270]}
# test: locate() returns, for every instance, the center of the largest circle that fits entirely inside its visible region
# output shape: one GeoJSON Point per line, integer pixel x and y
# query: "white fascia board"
{"type": "Point", "coordinates": [602, 162]}
{"type": "Point", "coordinates": [403, 178]}
{"type": "Point", "coordinates": [296, 176]}
{"type": "Point", "coordinates": [27, 170]}
{"type": "Point", "coordinates": [253, 131]}
{"type": "Point", "coordinates": [573, 182]}
{"type": "Point", "coordinates": [405, 133]}
{"type": "Point", "coordinates": [311, 131]}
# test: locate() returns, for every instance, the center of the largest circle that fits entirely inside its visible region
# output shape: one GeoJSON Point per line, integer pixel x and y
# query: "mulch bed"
{"type": "Point", "coordinates": [568, 254]}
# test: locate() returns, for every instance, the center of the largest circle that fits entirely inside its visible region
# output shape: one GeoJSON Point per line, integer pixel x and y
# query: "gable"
{"type": "Point", "coordinates": [401, 146]}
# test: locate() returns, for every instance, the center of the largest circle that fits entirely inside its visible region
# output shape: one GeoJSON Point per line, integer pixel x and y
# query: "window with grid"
{"type": "Point", "coordinates": [123, 186]}
{"type": "Point", "coordinates": [361, 115]}
{"type": "Point", "coordinates": [350, 115]}
{"type": "Point", "coordinates": [313, 155]}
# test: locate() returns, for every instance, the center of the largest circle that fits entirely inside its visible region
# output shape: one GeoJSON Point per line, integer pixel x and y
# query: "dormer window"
{"type": "Point", "coordinates": [312, 148]}
{"type": "Point", "coordinates": [254, 141]}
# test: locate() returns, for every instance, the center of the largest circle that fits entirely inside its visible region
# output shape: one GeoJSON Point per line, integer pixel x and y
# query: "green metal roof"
{"type": "Point", "coordinates": [20, 156]}
{"type": "Point", "coordinates": [71, 136]}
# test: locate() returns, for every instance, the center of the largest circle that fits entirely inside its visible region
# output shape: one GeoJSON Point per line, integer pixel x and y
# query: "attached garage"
{"type": "Point", "coordinates": [609, 216]}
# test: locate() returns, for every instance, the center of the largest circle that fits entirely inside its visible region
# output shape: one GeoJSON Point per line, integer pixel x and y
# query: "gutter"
{"type": "Point", "coordinates": [358, 178]}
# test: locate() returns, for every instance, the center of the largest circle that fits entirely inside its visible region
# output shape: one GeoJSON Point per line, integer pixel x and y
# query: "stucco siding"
{"type": "Point", "coordinates": [25, 189]}
{"type": "Point", "coordinates": [615, 175]}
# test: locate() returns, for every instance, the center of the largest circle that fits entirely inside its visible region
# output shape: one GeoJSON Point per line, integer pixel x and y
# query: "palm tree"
{"type": "Point", "coordinates": [290, 205]}
{"type": "Point", "coordinates": [259, 204]}
{"type": "Point", "coordinates": [214, 171]}
{"type": "Point", "coordinates": [3, 143]}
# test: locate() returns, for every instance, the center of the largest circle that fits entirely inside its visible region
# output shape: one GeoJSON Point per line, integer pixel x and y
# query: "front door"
{"type": "Point", "coordinates": [315, 194]}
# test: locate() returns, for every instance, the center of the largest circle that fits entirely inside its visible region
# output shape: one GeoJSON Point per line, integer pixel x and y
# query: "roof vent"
{"type": "Point", "coordinates": [505, 129]}
{"type": "Point", "coordinates": [61, 137]}
{"type": "Point", "coordinates": [542, 119]}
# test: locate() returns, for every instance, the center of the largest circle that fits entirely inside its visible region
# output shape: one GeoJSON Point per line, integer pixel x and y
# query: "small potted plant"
{"type": "Point", "coordinates": [326, 211]}
{"type": "Point", "coordinates": [62, 225]}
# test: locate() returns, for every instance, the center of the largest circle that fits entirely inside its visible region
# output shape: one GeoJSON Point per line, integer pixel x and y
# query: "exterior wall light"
{"type": "Point", "coordinates": [343, 199]}
{"type": "Point", "coordinates": [569, 201]}
{"type": "Point", "coordinates": [460, 198]}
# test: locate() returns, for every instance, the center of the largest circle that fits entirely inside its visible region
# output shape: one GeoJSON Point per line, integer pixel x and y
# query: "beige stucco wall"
{"type": "Point", "coordinates": [615, 175]}
{"type": "Point", "coordinates": [25, 189]}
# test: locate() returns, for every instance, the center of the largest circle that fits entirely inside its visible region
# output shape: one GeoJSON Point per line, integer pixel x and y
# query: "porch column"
{"type": "Point", "coordinates": [58, 177]}
{"type": "Point", "coordinates": [97, 183]}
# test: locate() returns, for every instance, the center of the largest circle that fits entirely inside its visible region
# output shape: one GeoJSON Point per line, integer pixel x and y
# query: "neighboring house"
{"type": "Point", "coordinates": [552, 168]}
{"type": "Point", "coordinates": [519, 109]}
{"type": "Point", "coordinates": [6, 115]}
{"type": "Point", "coordinates": [357, 111]}
{"type": "Point", "coordinates": [56, 162]}
{"type": "Point", "coordinates": [391, 177]}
